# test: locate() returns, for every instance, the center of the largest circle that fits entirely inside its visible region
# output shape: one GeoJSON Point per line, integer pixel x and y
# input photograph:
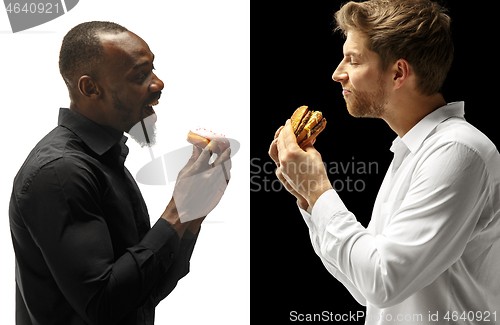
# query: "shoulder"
{"type": "Point", "coordinates": [461, 134]}
{"type": "Point", "coordinates": [59, 154]}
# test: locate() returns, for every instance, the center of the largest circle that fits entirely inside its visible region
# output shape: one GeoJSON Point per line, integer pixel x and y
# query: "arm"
{"type": "Point", "coordinates": [207, 183]}
{"type": "Point", "coordinates": [180, 266]}
{"type": "Point", "coordinates": [178, 270]}
{"type": "Point", "coordinates": [424, 237]}
{"type": "Point", "coordinates": [61, 210]}
{"type": "Point", "coordinates": [287, 145]}
{"type": "Point", "coordinates": [273, 153]}
{"type": "Point", "coordinates": [328, 265]}
{"type": "Point", "coordinates": [200, 185]}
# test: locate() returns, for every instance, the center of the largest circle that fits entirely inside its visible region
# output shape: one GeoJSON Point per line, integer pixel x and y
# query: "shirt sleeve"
{"type": "Point", "coordinates": [328, 265]}
{"type": "Point", "coordinates": [177, 270]}
{"type": "Point", "coordinates": [61, 210]}
{"type": "Point", "coordinates": [422, 239]}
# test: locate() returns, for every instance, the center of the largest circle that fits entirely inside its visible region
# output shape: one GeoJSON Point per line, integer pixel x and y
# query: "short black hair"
{"type": "Point", "coordinates": [81, 49]}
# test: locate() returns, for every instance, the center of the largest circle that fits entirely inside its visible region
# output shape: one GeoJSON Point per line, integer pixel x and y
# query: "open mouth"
{"type": "Point", "coordinates": [149, 108]}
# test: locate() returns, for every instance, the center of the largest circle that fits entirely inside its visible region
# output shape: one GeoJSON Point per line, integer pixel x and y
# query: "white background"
{"type": "Point", "coordinates": [202, 51]}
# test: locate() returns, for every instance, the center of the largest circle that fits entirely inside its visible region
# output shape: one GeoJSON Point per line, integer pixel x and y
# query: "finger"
{"type": "Point", "coordinates": [273, 151]}
{"type": "Point", "coordinates": [194, 155]}
{"type": "Point", "coordinates": [286, 138]}
{"type": "Point", "coordinates": [287, 179]}
{"type": "Point", "coordinates": [224, 160]}
{"type": "Point", "coordinates": [273, 148]}
{"type": "Point", "coordinates": [289, 136]}
{"type": "Point", "coordinates": [226, 169]}
{"type": "Point", "coordinates": [214, 146]}
{"type": "Point", "coordinates": [279, 175]}
{"type": "Point", "coordinates": [285, 183]}
{"type": "Point", "coordinates": [309, 148]}
{"type": "Point", "coordinates": [226, 155]}
{"type": "Point", "coordinates": [278, 131]}
{"type": "Point", "coordinates": [204, 156]}
{"type": "Point", "coordinates": [280, 143]}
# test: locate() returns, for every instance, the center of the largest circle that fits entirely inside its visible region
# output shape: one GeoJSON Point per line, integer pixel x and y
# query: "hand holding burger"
{"type": "Point", "coordinates": [300, 167]}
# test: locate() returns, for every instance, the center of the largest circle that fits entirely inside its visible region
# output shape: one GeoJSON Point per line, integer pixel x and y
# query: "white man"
{"type": "Point", "coordinates": [430, 249]}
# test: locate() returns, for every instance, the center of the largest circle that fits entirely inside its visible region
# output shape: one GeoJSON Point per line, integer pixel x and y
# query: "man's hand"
{"type": "Point", "coordinates": [273, 152]}
{"type": "Point", "coordinates": [200, 185]}
{"type": "Point", "coordinates": [198, 189]}
{"type": "Point", "coordinates": [300, 170]}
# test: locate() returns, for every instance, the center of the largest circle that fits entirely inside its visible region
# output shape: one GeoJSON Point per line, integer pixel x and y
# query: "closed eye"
{"type": "Point", "coordinates": [143, 76]}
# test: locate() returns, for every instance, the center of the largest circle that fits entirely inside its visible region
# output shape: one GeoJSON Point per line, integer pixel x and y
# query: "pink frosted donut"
{"type": "Point", "coordinates": [201, 137]}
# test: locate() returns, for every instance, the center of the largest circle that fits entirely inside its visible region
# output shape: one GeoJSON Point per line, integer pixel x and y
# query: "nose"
{"type": "Point", "coordinates": [340, 75]}
{"type": "Point", "coordinates": [156, 84]}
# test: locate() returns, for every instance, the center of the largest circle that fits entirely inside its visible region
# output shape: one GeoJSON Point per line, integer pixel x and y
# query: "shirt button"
{"type": "Point", "coordinates": [171, 255]}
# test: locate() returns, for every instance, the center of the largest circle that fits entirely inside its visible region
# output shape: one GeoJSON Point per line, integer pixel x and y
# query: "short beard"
{"type": "Point", "coordinates": [144, 132]}
{"type": "Point", "coordinates": [367, 104]}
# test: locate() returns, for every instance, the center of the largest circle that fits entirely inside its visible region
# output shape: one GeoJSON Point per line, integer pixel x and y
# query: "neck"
{"type": "Point", "coordinates": [404, 114]}
{"type": "Point", "coordinates": [94, 113]}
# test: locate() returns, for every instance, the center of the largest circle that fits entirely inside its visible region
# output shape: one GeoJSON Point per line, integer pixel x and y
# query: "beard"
{"type": "Point", "coordinates": [367, 104]}
{"type": "Point", "coordinates": [143, 132]}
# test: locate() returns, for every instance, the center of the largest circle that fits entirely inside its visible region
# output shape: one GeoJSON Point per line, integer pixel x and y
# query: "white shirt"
{"type": "Point", "coordinates": [433, 242]}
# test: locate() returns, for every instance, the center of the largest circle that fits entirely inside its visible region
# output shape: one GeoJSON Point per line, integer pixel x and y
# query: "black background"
{"type": "Point", "coordinates": [293, 55]}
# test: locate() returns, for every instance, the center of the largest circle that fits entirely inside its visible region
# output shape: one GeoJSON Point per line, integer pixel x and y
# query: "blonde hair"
{"type": "Point", "coordinates": [415, 30]}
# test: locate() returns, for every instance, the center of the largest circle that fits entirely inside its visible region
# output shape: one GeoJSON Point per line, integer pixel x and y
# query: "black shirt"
{"type": "Point", "coordinates": [85, 250]}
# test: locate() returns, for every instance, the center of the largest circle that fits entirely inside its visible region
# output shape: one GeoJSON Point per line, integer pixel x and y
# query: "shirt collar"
{"type": "Point", "coordinates": [414, 138]}
{"type": "Point", "coordinates": [97, 137]}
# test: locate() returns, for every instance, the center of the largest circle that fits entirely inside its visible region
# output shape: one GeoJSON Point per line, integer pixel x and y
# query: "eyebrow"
{"type": "Point", "coordinates": [352, 54]}
{"type": "Point", "coordinates": [141, 64]}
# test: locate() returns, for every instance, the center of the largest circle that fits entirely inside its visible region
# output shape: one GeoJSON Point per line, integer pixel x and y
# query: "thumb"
{"type": "Point", "coordinates": [309, 146]}
{"type": "Point", "coordinates": [194, 155]}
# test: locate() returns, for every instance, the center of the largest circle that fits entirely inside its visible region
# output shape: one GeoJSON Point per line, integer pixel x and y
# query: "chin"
{"type": "Point", "coordinates": [357, 110]}
{"type": "Point", "coordinates": [144, 133]}
{"type": "Point", "coordinates": [365, 109]}
{"type": "Point", "coordinates": [360, 112]}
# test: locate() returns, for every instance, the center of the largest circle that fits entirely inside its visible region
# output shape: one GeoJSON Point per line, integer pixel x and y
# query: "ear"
{"type": "Point", "coordinates": [88, 87]}
{"type": "Point", "coordinates": [401, 72]}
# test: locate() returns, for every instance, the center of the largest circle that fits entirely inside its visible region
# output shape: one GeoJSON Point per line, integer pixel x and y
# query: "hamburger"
{"type": "Point", "coordinates": [307, 125]}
